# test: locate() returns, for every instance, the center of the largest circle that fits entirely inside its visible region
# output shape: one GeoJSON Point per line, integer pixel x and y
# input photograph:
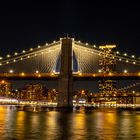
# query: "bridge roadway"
{"type": "Point", "coordinates": [81, 76]}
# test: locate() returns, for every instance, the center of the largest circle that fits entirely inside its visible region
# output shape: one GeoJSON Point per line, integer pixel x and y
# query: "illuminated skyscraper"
{"type": "Point", "coordinates": [107, 63]}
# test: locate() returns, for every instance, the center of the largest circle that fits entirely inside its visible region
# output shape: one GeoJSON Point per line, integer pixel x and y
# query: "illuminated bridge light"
{"type": "Point", "coordinates": [79, 41]}
{"type": "Point", "coordinates": [54, 41]}
{"type": "Point", "coordinates": [94, 46]}
{"type": "Point", "coordinates": [7, 55]}
{"type": "Point", "coordinates": [14, 60]}
{"type": "Point", "coordinates": [120, 59]}
{"type": "Point", "coordinates": [38, 46]}
{"type": "Point", "coordinates": [110, 74]}
{"type": "Point", "coordinates": [0, 64]}
{"type": "Point", "coordinates": [31, 49]}
{"type": "Point", "coordinates": [133, 91]}
{"type": "Point", "coordinates": [125, 71]}
{"type": "Point", "coordinates": [1, 58]}
{"type": "Point", "coordinates": [11, 71]}
{"type": "Point", "coordinates": [54, 71]}
{"type": "Point", "coordinates": [36, 71]}
{"type": "Point", "coordinates": [93, 75]}
{"type": "Point", "coordinates": [127, 61]}
{"type": "Point", "coordinates": [7, 62]}
{"type": "Point", "coordinates": [52, 74]}
{"type": "Point", "coordinates": [133, 56]}
{"type": "Point", "coordinates": [125, 54]}
{"type": "Point", "coordinates": [3, 81]}
{"type": "Point", "coordinates": [86, 44]}
{"type": "Point", "coordinates": [16, 90]}
{"type": "Point", "coordinates": [80, 74]}
{"type": "Point", "coordinates": [28, 56]}
{"type": "Point", "coordinates": [47, 44]}
{"type": "Point", "coordinates": [15, 53]}
{"type": "Point", "coordinates": [134, 62]}
{"type": "Point", "coordinates": [117, 52]}
{"type": "Point", "coordinates": [39, 75]}
{"type": "Point", "coordinates": [138, 73]}
{"type": "Point", "coordinates": [99, 71]}
{"type": "Point", "coordinates": [22, 74]}
{"type": "Point", "coordinates": [35, 54]}
{"type": "Point", "coordinates": [23, 51]}
{"type": "Point", "coordinates": [21, 58]}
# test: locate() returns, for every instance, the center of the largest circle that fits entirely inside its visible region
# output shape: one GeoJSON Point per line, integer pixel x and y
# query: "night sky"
{"type": "Point", "coordinates": [28, 24]}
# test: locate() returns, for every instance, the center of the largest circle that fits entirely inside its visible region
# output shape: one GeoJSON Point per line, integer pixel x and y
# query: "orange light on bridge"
{"type": "Point", "coordinates": [52, 74]}
{"type": "Point", "coordinates": [22, 74]}
{"type": "Point", "coordinates": [80, 74]}
{"type": "Point", "coordinates": [39, 75]}
{"type": "Point", "coordinates": [2, 81]}
{"type": "Point", "coordinates": [138, 73]}
{"type": "Point", "coordinates": [110, 74]}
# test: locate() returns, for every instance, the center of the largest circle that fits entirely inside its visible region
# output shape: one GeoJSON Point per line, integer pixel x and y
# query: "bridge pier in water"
{"type": "Point", "coordinates": [65, 82]}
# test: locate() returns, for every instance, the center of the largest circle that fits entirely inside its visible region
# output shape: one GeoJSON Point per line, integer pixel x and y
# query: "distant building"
{"type": "Point", "coordinates": [5, 88]}
{"type": "Point", "coordinates": [33, 92]}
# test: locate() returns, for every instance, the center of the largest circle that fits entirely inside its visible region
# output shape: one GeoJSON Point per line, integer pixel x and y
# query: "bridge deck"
{"type": "Point", "coordinates": [52, 76]}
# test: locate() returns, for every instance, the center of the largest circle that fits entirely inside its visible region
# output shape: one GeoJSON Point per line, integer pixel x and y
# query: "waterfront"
{"type": "Point", "coordinates": [80, 124]}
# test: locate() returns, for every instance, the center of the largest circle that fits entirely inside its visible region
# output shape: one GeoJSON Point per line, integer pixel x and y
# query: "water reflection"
{"type": "Point", "coordinates": [98, 124]}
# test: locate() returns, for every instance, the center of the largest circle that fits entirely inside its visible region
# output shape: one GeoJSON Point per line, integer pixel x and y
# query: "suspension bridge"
{"type": "Point", "coordinates": [67, 60]}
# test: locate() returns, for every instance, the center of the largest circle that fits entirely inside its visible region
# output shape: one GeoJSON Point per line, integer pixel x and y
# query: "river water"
{"type": "Point", "coordinates": [81, 124]}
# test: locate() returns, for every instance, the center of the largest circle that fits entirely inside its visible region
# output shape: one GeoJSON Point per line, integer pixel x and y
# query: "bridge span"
{"type": "Point", "coordinates": [76, 77]}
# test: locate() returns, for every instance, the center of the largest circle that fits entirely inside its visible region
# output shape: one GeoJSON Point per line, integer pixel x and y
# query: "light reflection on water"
{"type": "Point", "coordinates": [96, 124]}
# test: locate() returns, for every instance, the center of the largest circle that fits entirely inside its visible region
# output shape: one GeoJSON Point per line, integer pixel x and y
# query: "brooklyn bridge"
{"type": "Point", "coordinates": [67, 61]}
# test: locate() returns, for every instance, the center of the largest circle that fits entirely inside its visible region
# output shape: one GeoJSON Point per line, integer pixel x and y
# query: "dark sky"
{"type": "Point", "coordinates": [27, 24]}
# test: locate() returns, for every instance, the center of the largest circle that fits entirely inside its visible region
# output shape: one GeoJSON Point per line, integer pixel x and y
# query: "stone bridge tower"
{"type": "Point", "coordinates": [65, 82]}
